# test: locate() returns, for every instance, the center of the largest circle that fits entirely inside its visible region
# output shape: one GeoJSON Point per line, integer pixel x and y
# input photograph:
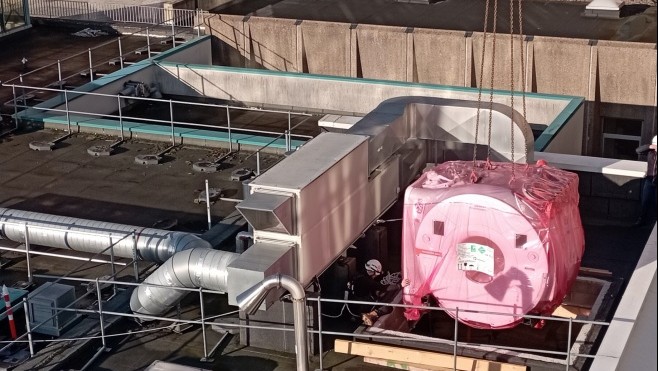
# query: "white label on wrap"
{"type": "Point", "coordinates": [475, 257]}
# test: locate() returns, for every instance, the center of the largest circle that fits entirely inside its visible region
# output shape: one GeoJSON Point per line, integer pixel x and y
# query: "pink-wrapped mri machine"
{"type": "Point", "coordinates": [511, 242]}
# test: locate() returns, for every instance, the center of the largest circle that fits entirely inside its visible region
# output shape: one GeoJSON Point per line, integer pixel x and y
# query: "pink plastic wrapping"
{"type": "Point", "coordinates": [504, 244]}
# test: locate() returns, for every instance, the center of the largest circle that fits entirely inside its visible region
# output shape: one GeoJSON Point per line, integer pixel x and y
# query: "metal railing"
{"type": "Point", "coordinates": [21, 90]}
{"type": "Point", "coordinates": [12, 15]}
{"type": "Point", "coordinates": [566, 357]}
{"type": "Point", "coordinates": [113, 12]}
{"type": "Point", "coordinates": [171, 122]}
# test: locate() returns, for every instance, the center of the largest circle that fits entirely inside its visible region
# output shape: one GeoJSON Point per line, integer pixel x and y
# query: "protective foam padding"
{"type": "Point", "coordinates": [506, 245]}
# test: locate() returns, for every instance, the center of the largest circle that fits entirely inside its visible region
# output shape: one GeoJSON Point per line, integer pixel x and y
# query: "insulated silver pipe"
{"type": "Point", "coordinates": [188, 260]}
{"type": "Point", "coordinates": [198, 267]}
{"type": "Point", "coordinates": [154, 245]}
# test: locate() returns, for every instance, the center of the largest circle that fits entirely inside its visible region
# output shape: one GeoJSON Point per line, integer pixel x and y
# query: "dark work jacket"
{"type": "Point", "coordinates": [365, 287]}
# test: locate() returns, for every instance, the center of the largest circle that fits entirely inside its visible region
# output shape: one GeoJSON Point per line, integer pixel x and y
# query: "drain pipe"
{"type": "Point", "coordinates": [251, 299]}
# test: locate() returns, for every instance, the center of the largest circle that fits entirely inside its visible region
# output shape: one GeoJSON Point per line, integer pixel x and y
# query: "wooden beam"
{"type": "Point", "coordinates": [421, 357]}
{"type": "Point", "coordinates": [403, 366]}
{"type": "Point", "coordinates": [570, 311]}
{"type": "Point", "coordinates": [595, 272]}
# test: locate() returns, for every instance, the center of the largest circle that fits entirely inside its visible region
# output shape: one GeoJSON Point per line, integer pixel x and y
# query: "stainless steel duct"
{"type": "Point", "coordinates": [243, 240]}
{"type": "Point", "coordinates": [400, 120]}
{"type": "Point", "coordinates": [91, 236]}
{"type": "Point", "coordinates": [250, 301]}
{"type": "Point", "coordinates": [199, 267]}
{"type": "Point", "coordinates": [188, 260]}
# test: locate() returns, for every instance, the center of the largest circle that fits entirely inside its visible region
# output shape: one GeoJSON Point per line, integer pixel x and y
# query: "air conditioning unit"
{"type": "Point", "coordinates": [43, 304]}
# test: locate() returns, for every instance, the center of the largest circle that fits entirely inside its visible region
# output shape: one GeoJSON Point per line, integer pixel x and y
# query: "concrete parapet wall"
{"type": "Point", "coordinates": [325, 94]}
{"type": "Point", "coordinates": [603, 72]}
{"type": "Point", "coordinates": [200, 51]}
{"type": "Point", "coordinates": [229, 30]}
{"type": "Point", "coordinates": [569, 137]}
{"type": "Point", "coordinates": [625, 72]}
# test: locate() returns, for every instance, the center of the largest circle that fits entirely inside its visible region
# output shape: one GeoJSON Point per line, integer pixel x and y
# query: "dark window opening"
{"type": "Point", "coordinates": [620, 138]}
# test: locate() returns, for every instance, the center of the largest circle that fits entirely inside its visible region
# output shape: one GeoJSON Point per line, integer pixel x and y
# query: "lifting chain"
{"type": "Point", "coordinates": [480, 83]}
{"type": "Point", "coordinates": [492, 76]}
{"type": "Point", "coordinates": [511, 78]}
{"type": "Point", "coordinates": [484, 47]}
{"type": "Point", "coordinates": [491, 85]}
{"type": "Point", "coordinates": [524, 47]}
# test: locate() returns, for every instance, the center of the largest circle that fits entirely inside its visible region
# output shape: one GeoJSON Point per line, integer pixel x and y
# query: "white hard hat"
{"type": "Point", "coordinates": [374, 265]}
{"type": "Point", "coordinates": [653, 142]}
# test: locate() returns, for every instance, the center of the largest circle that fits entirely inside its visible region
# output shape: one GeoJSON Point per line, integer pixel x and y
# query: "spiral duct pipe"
{"type": "Point", "coordinates": [154, 245]}
{"type": "Point", "coordinates": [198, 267]}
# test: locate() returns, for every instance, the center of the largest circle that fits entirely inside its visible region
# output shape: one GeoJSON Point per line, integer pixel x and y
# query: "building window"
{"type": "Point", "coordinates": [621, 137]}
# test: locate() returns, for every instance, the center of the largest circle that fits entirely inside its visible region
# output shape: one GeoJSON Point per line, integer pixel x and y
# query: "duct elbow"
{"type": "Point", "coordinates": [243, 240]}
{"type": "Point", "coordinates": [192, 268]}
{"type": "Point", "coordinates": [293, 286]}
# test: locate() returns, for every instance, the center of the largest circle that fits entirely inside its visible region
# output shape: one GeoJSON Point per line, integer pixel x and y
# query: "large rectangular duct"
{"type": "Point", "coordinates": [314, 200]}
{"type": "Point", "coordinates": [255, 264]}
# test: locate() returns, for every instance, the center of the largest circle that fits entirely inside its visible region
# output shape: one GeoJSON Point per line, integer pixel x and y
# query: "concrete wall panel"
{"type": "Point", "coordinates": [326, 48]}
{"type": "Point", "coordinates": [561, 67]}
{"type": "Point", "coordinates": [382, 52]}
{"type": "Point", "coordinates": [198, 53]}
{"type": "Point", "coordinates": [227, 28]}
{"type": "Point", "coordinates": [503, 61]}
{"type": "Point", "coordinates": [627, 75]}
{"type": "Point", "coordinates": [170, 83]}
{"type": "Point", "coordinates": [569, 140]}
{"type": "Point", "coordinates": [228, 38]}
{"type": "Point", "coordinates": [273, 43]}
{"type": "Point", "coordinates": [440, 57]}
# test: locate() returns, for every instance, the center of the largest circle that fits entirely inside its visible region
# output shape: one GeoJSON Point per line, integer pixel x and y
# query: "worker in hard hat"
{"type": "Point", "coordinates": [648, 195]}
{"type": "Point", "coordinates": [369, 287]}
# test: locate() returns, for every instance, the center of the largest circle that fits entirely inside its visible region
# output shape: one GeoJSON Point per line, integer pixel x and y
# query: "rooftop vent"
{"type": "Point", "coordinates": [604, 8]}
{"type": "Point", "coordinates": [268, 212]}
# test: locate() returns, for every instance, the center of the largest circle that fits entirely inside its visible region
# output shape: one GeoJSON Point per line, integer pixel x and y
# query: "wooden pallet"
{"type": "Point", "coordinates": [431, 361]}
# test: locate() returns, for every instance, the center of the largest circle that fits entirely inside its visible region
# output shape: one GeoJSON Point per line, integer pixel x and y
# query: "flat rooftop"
{"type": "Point", "coordinates": [542, 18]}
{"type": "Point", "coordinates": [69, 182]}
{"type": "Point", "coordinates": [43, 46]}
